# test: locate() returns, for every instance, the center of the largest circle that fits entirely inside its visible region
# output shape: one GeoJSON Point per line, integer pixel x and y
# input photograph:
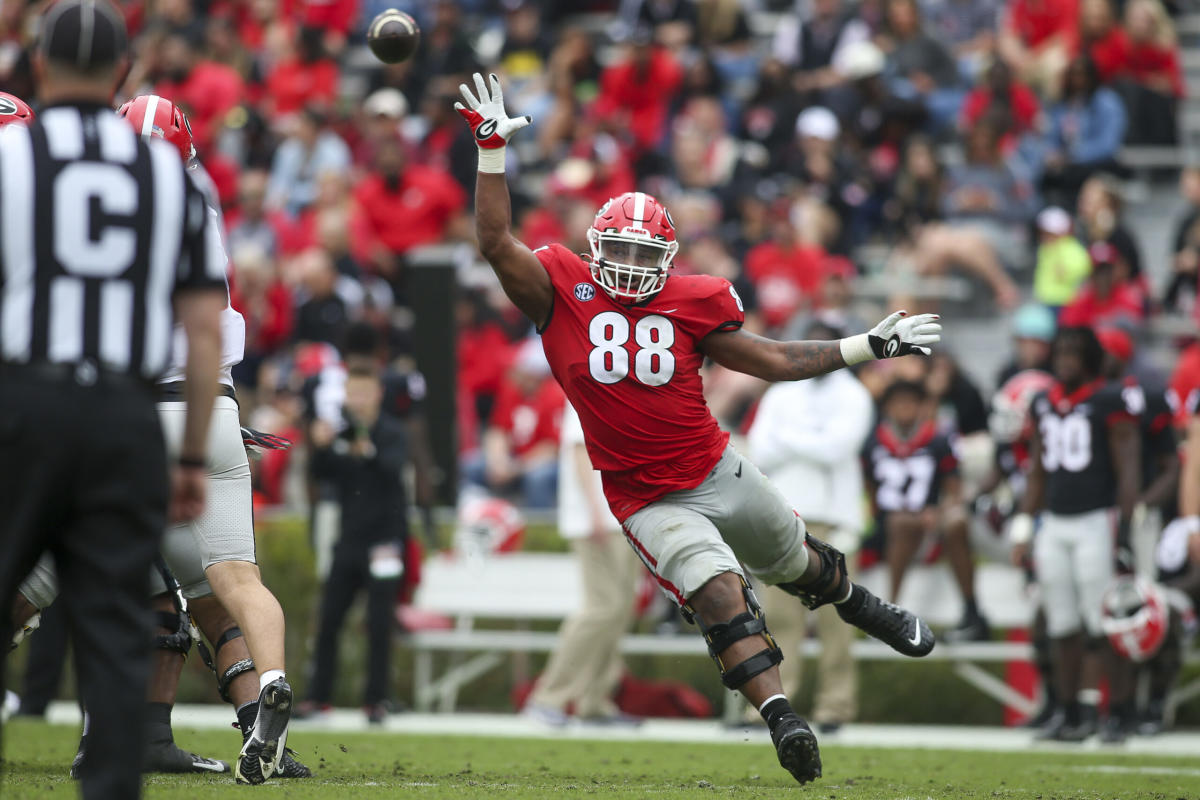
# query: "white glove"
{"type": "Point", "coordinates": [489, 122]}
{"type": "Point", "coordinates": [898, 335]}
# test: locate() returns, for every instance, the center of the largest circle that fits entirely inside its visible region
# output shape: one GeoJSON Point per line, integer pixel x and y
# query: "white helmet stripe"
{"type": "Point", "coordinates": [151, 112]}
{"type": "Point", "coordinates": [639, 207]}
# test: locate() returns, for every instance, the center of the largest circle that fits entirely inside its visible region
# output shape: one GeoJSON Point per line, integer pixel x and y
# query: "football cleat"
{"type": "Point", "coordinates": [901, 630]}
{"type": "Point", "coordinates": [972, 628]}
{"type": "Point", "coordinates": [168, 757]}
{"type": "Point", "coordinates": [1061, 728]}
{"type": "Point", "coordinates": [291, 767]}
{"type": "Point", "coordinates": [796, 746]}
{"type": "Point", "coordinates": [264, 746]}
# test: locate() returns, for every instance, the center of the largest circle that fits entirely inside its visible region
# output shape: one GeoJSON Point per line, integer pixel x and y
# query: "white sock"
{"type": "Point", "coordinates": [769, 699]}
{"type": "Point", "coordinates": [267, 677]}
{"type": "Point", "coordinates": [849, 591]}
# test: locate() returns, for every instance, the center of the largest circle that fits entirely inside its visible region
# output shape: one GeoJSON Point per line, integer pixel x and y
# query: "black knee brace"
{"type": "Point", "coordinates": [832, 582]}
{"type": "Point", "coordinates": [235, 669]}
{"type": "Point", "coordinates": [723, 634]}
{"type": "Point", "coordinates": [179, 640]}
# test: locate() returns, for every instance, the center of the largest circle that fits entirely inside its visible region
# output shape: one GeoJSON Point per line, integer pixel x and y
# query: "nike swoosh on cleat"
{"type": "Point", "coordinates": [915, 641]}
{"type": "Point", "coordinates": [738, 474]}
{"type": "Point", "coordinates": [211, 766]}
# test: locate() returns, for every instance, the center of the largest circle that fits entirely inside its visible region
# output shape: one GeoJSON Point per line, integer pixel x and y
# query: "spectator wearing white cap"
{"type": "Point", "coordinates": [1063, 263]}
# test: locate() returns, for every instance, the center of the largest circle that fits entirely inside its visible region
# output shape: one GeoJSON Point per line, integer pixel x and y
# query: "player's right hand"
{"type": "Point", "coordinates": [485, 113]}
{"type": "Point", "coordinates": [189, 487]}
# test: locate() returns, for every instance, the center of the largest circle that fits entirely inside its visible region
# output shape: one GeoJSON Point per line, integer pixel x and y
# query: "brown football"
{"type": "Point", "coordinates": [393, 36]}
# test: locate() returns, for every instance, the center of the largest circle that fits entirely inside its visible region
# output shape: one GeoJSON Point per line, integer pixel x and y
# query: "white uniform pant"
{"type": "Point", "coordinates": [1073, 558]}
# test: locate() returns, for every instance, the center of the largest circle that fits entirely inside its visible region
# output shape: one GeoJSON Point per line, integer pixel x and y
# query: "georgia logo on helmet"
{"type": "Point", "coordinates": [633, 245]}
{"type": "Point", "coordinates": [1134, 617]}
{"type": "Point", "coordinates": [14, 109]}
{"type": "Point", "coordinates": [1009, 421]}
{"type": "Point", "coordinates": [151, 115]}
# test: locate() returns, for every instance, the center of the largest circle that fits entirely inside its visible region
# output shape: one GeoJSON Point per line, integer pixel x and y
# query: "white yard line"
{"type": "Point", "coordinates": [936, 737]}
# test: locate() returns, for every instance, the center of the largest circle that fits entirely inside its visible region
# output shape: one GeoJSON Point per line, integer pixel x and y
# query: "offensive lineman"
{"type": "Point", "coordinates": [626, 343]}
{"type": "Point", "coordinates": [222, 538]}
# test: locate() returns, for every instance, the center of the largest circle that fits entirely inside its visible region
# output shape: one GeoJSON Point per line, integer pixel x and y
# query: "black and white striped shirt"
{"type": "Point", "coordinates": [98, 229]}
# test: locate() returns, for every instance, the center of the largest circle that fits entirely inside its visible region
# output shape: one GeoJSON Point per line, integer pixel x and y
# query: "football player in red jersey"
{"type": "Point", "coordinates": [626, 342]}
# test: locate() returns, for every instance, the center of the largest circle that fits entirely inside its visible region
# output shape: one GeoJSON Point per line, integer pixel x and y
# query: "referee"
{"type": "Point", "coordinates": [102, 240]}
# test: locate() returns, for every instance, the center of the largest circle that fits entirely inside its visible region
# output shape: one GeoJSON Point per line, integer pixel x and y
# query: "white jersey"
{"type": "Point", "coordinates": [574, 514]}
{"type": "Point", "coordinates": [233, 327]}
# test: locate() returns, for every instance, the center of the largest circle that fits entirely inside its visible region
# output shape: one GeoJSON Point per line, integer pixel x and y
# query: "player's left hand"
{"type": "Point", "coordinates": [902, 335]}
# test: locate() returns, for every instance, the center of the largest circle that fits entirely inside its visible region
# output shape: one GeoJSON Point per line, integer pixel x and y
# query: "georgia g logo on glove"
{"type": "Point", "coordinates": [485, 113]}
{"type": "Point", "coordinates": [898, 335]}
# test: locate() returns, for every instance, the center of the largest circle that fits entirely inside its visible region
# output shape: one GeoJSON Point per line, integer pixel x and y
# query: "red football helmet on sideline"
{"type": "Point", "coordinates": [1009, 421]}
{"type": "Point", "coordinates": [1135, 617]}
{"type": "Point", "coordinates": [488, 525]}
{"type": "Point", "coordinates": [151, 115]}
{"type": "Point", "coordinates": [14, 109]}
{"type": "Point", "coordinates": [633, 244]}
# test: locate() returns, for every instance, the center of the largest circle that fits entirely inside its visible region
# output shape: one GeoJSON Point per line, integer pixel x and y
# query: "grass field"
{"type": "Point", "coordinates": [394, 765]}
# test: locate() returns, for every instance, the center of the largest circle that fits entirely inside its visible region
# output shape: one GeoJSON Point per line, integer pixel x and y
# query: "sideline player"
{"type": "Point", "coordinates": [1086, 451]}
{"type": "Point", "coordinates": [626, 342]}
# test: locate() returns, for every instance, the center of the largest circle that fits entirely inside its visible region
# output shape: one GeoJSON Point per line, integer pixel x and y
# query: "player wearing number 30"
{"type": "Point", "coordinates": [625, 339]}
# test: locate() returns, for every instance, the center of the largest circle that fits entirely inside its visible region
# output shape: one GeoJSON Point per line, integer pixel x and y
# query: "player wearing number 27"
{"type": "Point", "coordinates": [626, 342]}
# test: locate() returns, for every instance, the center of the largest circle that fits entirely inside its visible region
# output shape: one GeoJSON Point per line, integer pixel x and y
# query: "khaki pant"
{"type": "Point", "coordinates": [837, 674]}
{"type": "Point", "coordinates": [586, 666]}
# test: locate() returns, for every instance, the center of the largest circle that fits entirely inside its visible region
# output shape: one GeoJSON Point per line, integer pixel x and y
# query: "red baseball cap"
{"type": "Point", "coordinates": [1116, 342]}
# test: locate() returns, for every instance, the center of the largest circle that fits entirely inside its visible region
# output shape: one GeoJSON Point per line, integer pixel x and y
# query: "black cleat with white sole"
{"type": "Point", "coordinates": [169, 757]}
{"type": "Point", "coordinates": [796, 746]}
{"type": "Point", "coordinates": [265, 745]}
{"type": "Point", "coordinates": [901, 630]}
{"type": "Point", "coordinates": [292, 767]}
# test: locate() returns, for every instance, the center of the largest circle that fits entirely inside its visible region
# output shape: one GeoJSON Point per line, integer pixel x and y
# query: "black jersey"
{"type": "Point", "coordinates": [1158, 436]}
{"type": "Point", "coordinates": [1074, 433]}
{"type": "Point", "coordinates": [907, 473]}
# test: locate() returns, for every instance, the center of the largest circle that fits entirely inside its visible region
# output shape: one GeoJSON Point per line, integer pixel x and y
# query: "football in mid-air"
{"type": "Point", "coordinates": [393, 36]}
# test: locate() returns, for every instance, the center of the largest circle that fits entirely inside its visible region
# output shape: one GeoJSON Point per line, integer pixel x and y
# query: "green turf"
{"type": "Point", "coordinates": [390, 765]}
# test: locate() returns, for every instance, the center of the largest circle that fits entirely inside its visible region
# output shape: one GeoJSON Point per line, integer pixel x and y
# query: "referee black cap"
{"type": "Point", "coordinates": [86, 34]}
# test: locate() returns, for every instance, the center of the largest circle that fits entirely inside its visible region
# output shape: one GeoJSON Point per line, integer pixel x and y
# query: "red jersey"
{"type": "Point", "coordinates": [633, 375]}
{"type": "Point", "coordinates": [1184, 392]}
{"type": "Point", "coordinates": [529, 421]}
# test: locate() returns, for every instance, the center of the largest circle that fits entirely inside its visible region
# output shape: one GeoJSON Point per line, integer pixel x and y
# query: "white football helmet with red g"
{"type": "Point", "coordinates": [151, 115]}
{"type": "Point", "coordinates": [1009, 420]}
{"type": "Point", "coordinates": [1135, 617]}
{"type": "Point", "coordinates": [633, 245]}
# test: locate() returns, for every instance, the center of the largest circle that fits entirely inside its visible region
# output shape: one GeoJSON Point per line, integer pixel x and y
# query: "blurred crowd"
{"type": "Point", "coordinates": [967, 135]}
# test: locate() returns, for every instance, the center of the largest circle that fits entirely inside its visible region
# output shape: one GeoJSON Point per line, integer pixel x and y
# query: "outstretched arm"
{"type": "Point", "coordinates": [524, 279]}
{"type": "Point", "coordinates": [771, 360]}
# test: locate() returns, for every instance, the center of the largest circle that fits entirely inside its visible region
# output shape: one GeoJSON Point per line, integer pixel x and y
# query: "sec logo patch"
{"type": "Point", "coordinates": [584, 291]}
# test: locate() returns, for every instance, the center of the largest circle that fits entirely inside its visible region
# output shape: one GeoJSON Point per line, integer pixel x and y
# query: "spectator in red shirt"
{"type": "Point", "coordinates": [306, 77]}
{"type": "Point", "coordinates": [1037, 39]}
{"type": "Point", "coordinates": [266, 304]}
{"type": "Point", "coordinates": [206, 90]}
{"type": "Point", "coordinates": [1107, 299]}
{"type": "Point", "coordinates": [1103, 38]}
{"type": "Point", "coordinates": [786, 270]}
{"type": "Point", "coordinates": [407, 205]}
{"type": "Point", "coordinates": [520, 445]}
{"type": "Point", "coordinates": [635, 93]}
{"type": "Point", "coordinates": [1154, 75]}
{"type": "Point", "coordinates": [1010, 106]}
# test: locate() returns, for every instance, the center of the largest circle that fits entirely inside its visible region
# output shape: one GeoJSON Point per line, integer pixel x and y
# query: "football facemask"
{"type": "Point", "coordinates": [630, 268]}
